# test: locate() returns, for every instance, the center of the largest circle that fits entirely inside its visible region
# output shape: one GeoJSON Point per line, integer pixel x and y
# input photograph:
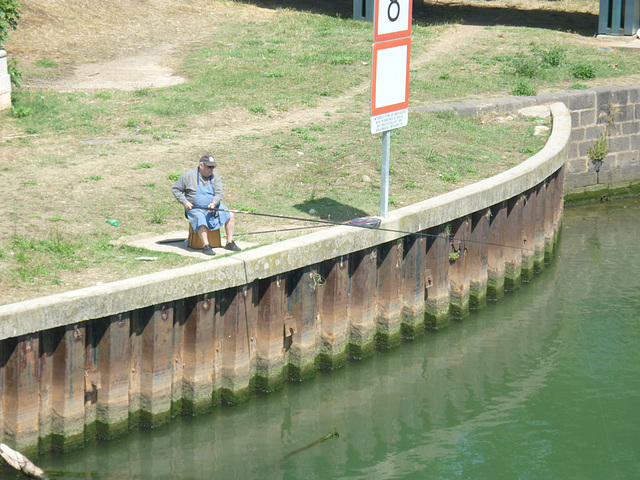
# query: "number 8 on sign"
{"type": "Point", "coordinates": [392, 20]}
{"type": "Point", "coordinates": [393, 4]}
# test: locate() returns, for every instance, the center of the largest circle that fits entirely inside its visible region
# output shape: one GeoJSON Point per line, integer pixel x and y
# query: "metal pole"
{"type": "Point", "coordinates": [384, 186]}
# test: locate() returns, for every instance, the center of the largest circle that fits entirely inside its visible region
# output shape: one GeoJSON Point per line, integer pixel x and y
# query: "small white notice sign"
{"type": "Point", "coordinates": [389, 121]}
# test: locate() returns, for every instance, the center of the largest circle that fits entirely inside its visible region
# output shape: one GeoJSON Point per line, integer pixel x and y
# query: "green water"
{"type": "Point", "coordinates": [544, 384]}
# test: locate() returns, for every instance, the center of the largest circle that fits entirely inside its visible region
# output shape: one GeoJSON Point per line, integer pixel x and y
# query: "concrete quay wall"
{"type": "Point", "coordinates": [96, 362]}
{"type": "Point", "coordinates": [614, 109]}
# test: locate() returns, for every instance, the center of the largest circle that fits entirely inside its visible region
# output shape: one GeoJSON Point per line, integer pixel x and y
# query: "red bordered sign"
{"type": "Point", "coordinates": [390, 79]}
{"type": "Point", "coordinates": [392, 19]}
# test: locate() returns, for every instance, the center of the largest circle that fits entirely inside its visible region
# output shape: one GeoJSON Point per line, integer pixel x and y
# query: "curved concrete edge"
{"type": "Point", "coordinates": [139, 292]}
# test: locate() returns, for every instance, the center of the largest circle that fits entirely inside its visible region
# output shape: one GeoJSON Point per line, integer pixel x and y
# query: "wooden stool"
{"type": "Point", "coordinates": [196, 242]}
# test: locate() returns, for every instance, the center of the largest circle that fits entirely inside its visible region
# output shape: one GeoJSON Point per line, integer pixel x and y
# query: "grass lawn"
{"type": "Point", "coordinates": [281, 97]}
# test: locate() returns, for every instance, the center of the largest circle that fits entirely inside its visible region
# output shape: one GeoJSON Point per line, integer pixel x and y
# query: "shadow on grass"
{"type": "Point", "coordinates": [330, 209]}
{"type": "Point", "coordinates": [433, 12]}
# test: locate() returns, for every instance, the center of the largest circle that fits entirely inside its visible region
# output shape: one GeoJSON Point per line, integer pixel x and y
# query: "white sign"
{"type": "Point", "coordinates": [392, 19]}
{"type": "Point", "coordinates": [389, 121]}
{"type": "Point", "coordinates": [390, 82]}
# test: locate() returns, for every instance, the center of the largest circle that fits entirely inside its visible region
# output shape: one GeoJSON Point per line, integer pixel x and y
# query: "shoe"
{"type": "Point", "coordinates": [207, 250]}
{"type": "Point", "coordinates": [232, 246]}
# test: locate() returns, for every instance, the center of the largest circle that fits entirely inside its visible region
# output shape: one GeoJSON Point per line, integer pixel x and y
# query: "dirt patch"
{"type": "Point", "coordinates": [147, 70]}
{"type": "Point", "coordinates": [98, 44]}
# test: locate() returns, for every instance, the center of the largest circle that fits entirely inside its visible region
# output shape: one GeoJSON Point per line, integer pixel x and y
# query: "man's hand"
{"type": "Point", "coordinates": [188, 205]}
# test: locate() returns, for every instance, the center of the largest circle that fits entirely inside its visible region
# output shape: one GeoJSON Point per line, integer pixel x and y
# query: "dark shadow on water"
{"type": "Point", "coordinates": [433, 13]}
{"type": "Point", "coordinates": [330, 209]}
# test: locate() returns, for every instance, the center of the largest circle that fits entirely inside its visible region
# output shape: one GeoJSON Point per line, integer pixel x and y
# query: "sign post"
{"type": "Point", "coordinates": [390, 78]}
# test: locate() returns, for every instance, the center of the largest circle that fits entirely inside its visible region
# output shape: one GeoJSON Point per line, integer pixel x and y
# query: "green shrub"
{"type": "Point", "coordinates": [551, 57]}
{"type": "Point", "coordinates": [9, 16]}
{"type": "Point", "coordinates": [524, 65]}
{"type": "Point", "coordinates": [20, 112]}
{"type": "Point", "coordinates": [599, 150]}
{"type": "Point", "coordinates": [14, 74]}
{"type": "Point", "coordinates": [583, 71]}
{"type": "Point", "coordinates": [258, 109]}
{"type": "Point", "coordinates": [524, 89]}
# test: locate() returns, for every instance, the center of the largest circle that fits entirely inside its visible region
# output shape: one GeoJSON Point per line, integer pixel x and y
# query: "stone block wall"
{"type": "Point", "coordinates": [616, 111]}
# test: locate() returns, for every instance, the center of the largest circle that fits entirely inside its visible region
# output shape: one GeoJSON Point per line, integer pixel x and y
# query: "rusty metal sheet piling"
{"type": "Point", "coordinates": [194, 364]}
{"type": "Point", "coordinates": [389, 294]}
{"type": "Point", "coordinates": [106, 378]}
{"type": "Point", "coordinates": [415, 283]}
{"type": "Point", "coordinates": [459, 280]}
{"type": "Point", "coordinates": [235, 310]}
{"type": "Point", "coordinates": [437, 302]}
{"type": "Point", "coordinates": [303, 286]}
{"type": "Point", "coordinates": [528, 236]}
{"type": "Point", "coordinates": [496, 253]}
{"type": "Point", "coordinates": [477, 258]}
{"type": "Point", "coordinates": [333, 312]}
{"type": "Point", "coordinates": [362, 302]}
{"type": "Point", "coordinates": [67, 387]}
{"type": "Point", "coordinates": [20, 380]}
{"type": "Point", "coordinates": [112, 381]}
{"type": "Point", "coordinates": [513, 239]}
{"type": "Point", "coordinates": [271, 334]}
{"type": "Point", "coordinates": [539, 235]}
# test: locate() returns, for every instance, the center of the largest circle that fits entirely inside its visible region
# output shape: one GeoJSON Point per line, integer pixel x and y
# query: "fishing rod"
{"type": "Point", "coordinates": [364, 222]}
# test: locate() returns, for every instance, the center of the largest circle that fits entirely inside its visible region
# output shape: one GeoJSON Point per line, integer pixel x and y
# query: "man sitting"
{"type": "Point", "coordinates": [199, 190]}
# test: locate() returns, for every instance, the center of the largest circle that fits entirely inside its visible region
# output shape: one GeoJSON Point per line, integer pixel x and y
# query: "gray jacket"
{"type": "Point", "coordinates": [186, 186]}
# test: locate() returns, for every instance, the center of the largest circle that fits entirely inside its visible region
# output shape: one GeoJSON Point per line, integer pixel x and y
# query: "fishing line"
{"type": "Point", "coordinates": [277, 231]}
{"type": "Point", "coordinates": [369, 223]}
